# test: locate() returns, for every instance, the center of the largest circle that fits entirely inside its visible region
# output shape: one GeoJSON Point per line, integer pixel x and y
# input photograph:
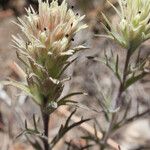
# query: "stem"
{"type": "Point", "coordinates": [109, 130]}
{"type": "Point", "coordinates": [118, 100]}
{"type": "Point", "coordinates": [45, 118]}
{"type": "Point", "coordinates": [122, 84]}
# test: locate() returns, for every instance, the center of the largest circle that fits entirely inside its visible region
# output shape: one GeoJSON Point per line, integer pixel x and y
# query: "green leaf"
{"type": "Point", "coordinates": [66, 128]}
{"type": "Point", "coordinates": [133, 79]}
{"type": "Point", "coordinates": [113, 66]}
{"type": "Point", "coordinates": [116, 10]}
{"type": "Point", "coordinates": [117, 71]}
{"type": "Point", "coordinates": [70, 95]}
{"type": "Point", "coordinates": [65, 102]}
{"type": "Point", "coordinates": [106, 19]}
{"type": "Point", "coordinates": [65, 67]}
{"type": "Point", "coordinates": [22, 87]}
{"type": "Point", "coordinates": [19, 85]}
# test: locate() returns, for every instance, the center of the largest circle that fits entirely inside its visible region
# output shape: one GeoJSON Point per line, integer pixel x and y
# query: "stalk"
{"type": "Point", "coordinates": [118, 100]}
{"type": "Point", "coordinates": [45, 118]}
{"type": "Point", "coordinates": [122, 84]}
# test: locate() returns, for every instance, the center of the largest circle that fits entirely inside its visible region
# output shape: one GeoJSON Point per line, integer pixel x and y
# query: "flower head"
{"type": "Point", "coordinates": [47, 47]}
{"type": "Point", "coordinates": [51, 29]}
{"type": "Point", "coordinates": [134, 26]}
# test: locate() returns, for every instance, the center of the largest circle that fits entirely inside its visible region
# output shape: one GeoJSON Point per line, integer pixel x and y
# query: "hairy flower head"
{"type": "Point", "coordinates": [51, 29]}
{"type": "Point", "coordinates": [134, 26]}
{"type": "Point", "coordinates": [46, 47]}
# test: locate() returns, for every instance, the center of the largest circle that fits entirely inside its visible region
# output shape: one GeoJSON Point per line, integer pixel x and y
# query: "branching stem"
{"type": "Point", "coordinates": [118, 99]}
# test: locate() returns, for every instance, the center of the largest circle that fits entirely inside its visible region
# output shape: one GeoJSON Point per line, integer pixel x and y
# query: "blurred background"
{"type": "Point", "coordinates": [15, 107]}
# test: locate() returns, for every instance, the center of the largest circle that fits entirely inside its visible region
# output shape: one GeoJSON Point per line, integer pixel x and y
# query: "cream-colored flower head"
{"type": "Point", "coordinates": [51, 29]}
{"type": "Point", "coordinates": [46, 47]}
{"type": "Point", "coordinates": [134, 26]}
